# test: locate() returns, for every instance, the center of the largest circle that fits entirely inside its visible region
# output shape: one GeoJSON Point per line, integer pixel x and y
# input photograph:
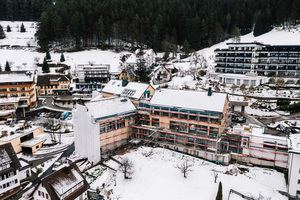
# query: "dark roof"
{"type": "Point", "coordinates": [58, 176]}
{"type": "Point", "coordinates": [130, 72]}
{"type": "Point", "coordinates": [7, 149]}
{"type": "Point", "coordinates": [45, 79]}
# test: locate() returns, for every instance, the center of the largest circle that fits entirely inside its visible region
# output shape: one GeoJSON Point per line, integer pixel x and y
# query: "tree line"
{"type": "Point", "coordinates": [159, 24]}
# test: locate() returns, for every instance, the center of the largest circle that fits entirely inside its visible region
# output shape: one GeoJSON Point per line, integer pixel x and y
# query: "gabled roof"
{"type": "Point", "coordinates": [132, 90]}
{"type": "Point", "coordinates": [109, 107]}
{"type": "Point", "coordinates": [130, 72]}
{"type": "Point", "coordinates": [189, 100]}
{"type": "Point", "coordinates": [63, 180]}
{"type": "Point", "coordinates": [8, 156]}
{"type": "Point", "coordinates": [45, 79]}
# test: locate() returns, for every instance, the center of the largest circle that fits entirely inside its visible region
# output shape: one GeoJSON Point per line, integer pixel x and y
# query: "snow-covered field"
{"type": "Point", "coordinates": [156, 177]}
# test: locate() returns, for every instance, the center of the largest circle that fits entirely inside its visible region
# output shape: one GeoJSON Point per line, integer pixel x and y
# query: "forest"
{"type": "Point", "coordinates": [159, 24]}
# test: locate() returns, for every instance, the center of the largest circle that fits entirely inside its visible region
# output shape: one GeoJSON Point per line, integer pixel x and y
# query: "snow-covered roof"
{"type": "Point", "coordinates": [189, 99]}
{"type": "Point", "coordinates": [131, 59]}
{"type": "Point", "coordinates": [294, 143]}
{"type": "Point", "coordinates": [34, 141]}
{"type": "Point", "coordinates": [108, 107]}
{"type": "Point", "coordinates": [132, 89]}
{"type": "Point", "coordinates": [15, 76]}
{"type": "Point", "coordinates": [11, 137]}
{"type": "Point", "coordinates": [64, 184]}
{"type": "Point", "coordinates": [10, 100]}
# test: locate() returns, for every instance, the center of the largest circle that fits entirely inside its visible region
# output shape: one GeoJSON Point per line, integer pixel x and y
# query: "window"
{"type": "Point", "coordinates": [298, 192]}
{"type": "Point", "coordinates": [14, 95]}
{"type": "Point", "coordinates": [39, 193]}
{"type": "Point", "coordinates": [238, 81]}
{"type": "Point", "coordinates": [155, 122]}
{"type": "Point", "coordinates": [298, 181]}
{"type": "Point", "coordinates": [102, 127]}
{"type": "Point", "coordinates": [178, 126]}
{"type": "Point", "coordinates": [111, 126]}
{"type": "Point", "coordinates": [47, 197]}
{"type": "Point", "coordinates": [253, 82]}
{"type": "Point", "coordinates": [13, 89]}
{"type": "Point", "coordinates": [120, 123]}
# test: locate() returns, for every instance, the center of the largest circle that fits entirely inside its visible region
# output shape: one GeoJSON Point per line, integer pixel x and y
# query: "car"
{"type": "Point", "coordinates": [57, 115]}
{"type": "Point", "coordinates": [38, 114]}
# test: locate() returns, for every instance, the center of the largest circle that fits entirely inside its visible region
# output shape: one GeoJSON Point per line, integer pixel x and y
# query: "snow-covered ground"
{"type": "Point", "coordinates": [156, 177]}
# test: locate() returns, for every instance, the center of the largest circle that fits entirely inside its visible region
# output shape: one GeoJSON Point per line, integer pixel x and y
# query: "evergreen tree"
{"type": "Point", "coordinates": [2, 35]}
{"type": "Point", "coordinates": [45, 67]}
{"type": "Point", "coordinates": [22, 29]}
{"type": "Point", "coordinates": [236, 35]}
{"type": "Point", "coordinates": [220, 193]}
{"type": "Point", "coordinates": [48, 57]}
{"type": "Point", "coordinates": [62, 58]}
{"type": "Point", "coordinates": [186, 47]}
{"type": "Point", "coordinates": [8, 29]}
{"type": "Point", "coordinates": [7, 67]}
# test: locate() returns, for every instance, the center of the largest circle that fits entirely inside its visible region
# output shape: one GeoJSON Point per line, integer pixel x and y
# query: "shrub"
{"type": "Point", "coordinates": [39, 170]}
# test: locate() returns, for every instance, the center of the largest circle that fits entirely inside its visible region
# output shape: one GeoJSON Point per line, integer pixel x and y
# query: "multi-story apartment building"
{"type": "Point", "coordinates": [263, 59]}
{"type": "Point", "coordinates": [102, 126]}
{"type": "Point", "coordinates": [186, 121]}
{"type": "Point", "coordinates": [51, 84]}
{"type": "Point", "coordinates": [17, 88]}
{"type": "Point", "coordinates": [67, 183]}
{"type": "Point", "coordinates": [93, 73]}
{"type": "Point", "coordinates": [9, 171]}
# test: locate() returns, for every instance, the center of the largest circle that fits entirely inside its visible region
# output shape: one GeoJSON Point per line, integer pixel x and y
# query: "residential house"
{"type": "Point", "coordinates": [17, 91]}
{"type": "Point", "coordinates": [263, 59]}
{"type": "Point", "coordinates": [67, 183]}
{"type": "Point", "coordinates": [161, 75]}
{"type": "Point", "coordinates": [127, 74]}
{"type": "Point", "coordinates": [52, 84]}
{"type": "Point", "coordinates": [133, 90]}
{"type": "Point", "coordinates": [9, 171]}
{"type": "Point", "coordinates": [187, 121]}
{"type": "Point", "coordinates": [102, 126]}
{"type": "Point", "coordinates": [147, 57]}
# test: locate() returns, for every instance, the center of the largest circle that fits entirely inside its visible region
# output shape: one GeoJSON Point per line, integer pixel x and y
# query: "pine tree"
{"type": "Point", "coordinates": [62, 58]}
{"type": "Point", "coordinates": [7, 67]}
{"type": "Point", "coordinates": [2, 35]}
{"type": "Point", "coordinates": [8, 29]}
{"type": "Point", "coordinates": [219, 194]}
{"type": "Point", "coordinates": [236, 35]}
{"type": "Point", "coordinates": [186, 47]}
{"type": "Point", "coordinates": [45, 67]}
{"type": "Point", "coordinates": [22, 29]}
{"type": "Point", "coordinates": [48, 57]}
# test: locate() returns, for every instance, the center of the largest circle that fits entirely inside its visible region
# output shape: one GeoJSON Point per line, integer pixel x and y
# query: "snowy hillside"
{"type": "Point", "coordinates": [155, 176]}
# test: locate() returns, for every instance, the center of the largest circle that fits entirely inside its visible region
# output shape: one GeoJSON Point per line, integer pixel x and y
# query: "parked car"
{"type": "Point", "coordinates": [64, 115]}
{"type": "Point", "coordinates": [57, 115]}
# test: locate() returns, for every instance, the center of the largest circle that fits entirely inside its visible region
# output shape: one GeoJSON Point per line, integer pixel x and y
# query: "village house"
{"type": "Point", "coordinates": [133, 90]}
{"type": "Point", "coordinates": [9, 171]}
{"type": "Point", "coordinates": [67, 183]}
{"type": "Point", "coordinates": [147, 57]}
{"type": "Point", "coordinates": [127, 74]}
{"type": "Point", "coordinates": [102, 126]}
{"type": "Point", "coordinates": [52, 84]}
{"type": "Point", "coordinates": [17, 91]}
{"type": "Point", "coordinates": [161, 75]}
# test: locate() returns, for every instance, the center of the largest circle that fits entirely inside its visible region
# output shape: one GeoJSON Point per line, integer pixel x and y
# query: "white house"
{"type": "Point", "coordinates": [294, 165]}
{"type": "Point", "coordinates": [147, 56]}
{"type": "Point", "coordinates": [161, 75]}
{"type": "Point", "coordinates": [67, 183]}
{"type": "Point", "coordinates": [9, 171]}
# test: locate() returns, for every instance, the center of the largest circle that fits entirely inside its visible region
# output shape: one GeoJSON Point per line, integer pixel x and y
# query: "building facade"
{"type": "Point", "coordinates": [93, 73]}
{"type": "Point", "coordinates": [9, 171]}
{"type": "Point", "coordinates": [294, 166]}
{"type": "Point", "coordinates": [102, 126]}
{"type": "Point", "coordinates": [240, 79]}
{"type": "Point", "coordinates": [17, 87]}
{"type": "Point", "coordinates": [127, 74]}
{"type": "Point", "coordinates": [52, 84]}
{"type": "Point", "coordinates": [187, 121]}
{"type": "Point", "coordinates": [263, 59]}
{"type": "Point", "coordinates": [161, 75]}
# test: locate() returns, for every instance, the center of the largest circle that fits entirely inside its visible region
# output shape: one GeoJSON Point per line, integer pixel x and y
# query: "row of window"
{"type": "Point", "coordinates": [8, 184]}
{"type": "Point", "coordinates": [4, 166]}
{"type": "Point", "coordinates": [9, 174]}
{"type": "Point", "coordinates": [112, 125]}
{"type": "Point", "coordinates": [42, 194]}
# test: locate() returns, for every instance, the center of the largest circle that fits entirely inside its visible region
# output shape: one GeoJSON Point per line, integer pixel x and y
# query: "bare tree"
{"type": "Point", "coordinates": [243, 88]}
{"type": "Point", "coordinates": [216, 176]}
{"type": "Point", "coordinates": [233, 88]}
{"type": "Point", "coordinates": [185, 167]}
{"type": "Point", "coordinates": [126, 167]}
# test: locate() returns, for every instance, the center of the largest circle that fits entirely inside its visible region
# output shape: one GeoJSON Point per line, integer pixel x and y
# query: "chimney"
{"type": "Point", "coordinates": [124, 82]}
{"type": "Point", "coordinates": [209, 93]}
